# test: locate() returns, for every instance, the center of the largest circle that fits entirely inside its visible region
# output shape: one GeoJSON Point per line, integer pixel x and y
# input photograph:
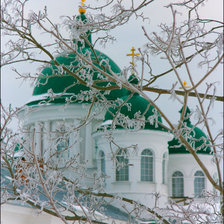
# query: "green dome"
{"type": "Point", "coordinates": [64, 85]}
{"type": "Point", "coordinates": [195, 137]}
{"type": "Point", "coordinates": [136, 108]}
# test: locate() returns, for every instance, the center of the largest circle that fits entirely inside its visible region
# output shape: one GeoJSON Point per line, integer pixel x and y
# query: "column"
{"type": "Point", "coordinates": [158, 173]}
{"type": "Point", "coordinates": [88, 146]}
{"type": "Point", "coordinates": [37, 148]}
{"type": "Point", "coordinates": [46, 140]}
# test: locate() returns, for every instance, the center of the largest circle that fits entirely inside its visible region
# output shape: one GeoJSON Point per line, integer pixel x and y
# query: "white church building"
{"type": "Point", "coordinates": [127, 145]}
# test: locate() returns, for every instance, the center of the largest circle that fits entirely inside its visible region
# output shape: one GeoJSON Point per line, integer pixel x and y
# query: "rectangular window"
{"type": "Point", "coordinates": [146, 165]}
{"type": "Point", "coordinates": [178, 184]}
{"type": "Point", "coordinates": [122, 169]}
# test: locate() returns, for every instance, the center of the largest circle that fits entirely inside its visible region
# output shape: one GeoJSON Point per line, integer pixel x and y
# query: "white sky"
{"type": "Point", "coordinates": [17, 92]}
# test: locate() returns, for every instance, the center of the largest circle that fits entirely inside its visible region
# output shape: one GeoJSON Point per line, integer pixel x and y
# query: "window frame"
{"type": "Point", "coordinates": [122, 167]}
{"type": "Point", "coordinates": [64, 144]}
{"type": "Point", "coordinates": [177, 184]}
{"type": "Point", "coordinates": [199, 179]}
{"type": "Point", "coordinates": [102, 162]}
{"type": "Point", "coordinates": [147, 165]}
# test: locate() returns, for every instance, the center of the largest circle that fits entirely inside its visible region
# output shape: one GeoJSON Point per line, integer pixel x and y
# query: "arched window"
{"type": "Point", "coordinates": [178, 184]}
{"type": "Point", "coordinates": [147, 165]}
{"type": "Point", "coordinates": [102, 162]}
{"type": "Point", "coordinates": [199, 183]}
{"type": "Point", "coordinates": [164, 168]}
{"type": "Point", "coordinates": [62, 148]}
{"type": "Point", "coordinates": [122, 169]}
{"type": "Point", "coordinates": [62, 142]}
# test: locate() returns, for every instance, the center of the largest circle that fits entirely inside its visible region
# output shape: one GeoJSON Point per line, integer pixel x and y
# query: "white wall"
{"type": "Point", "coordinates": [13, 214]}
{"type": "Point", "coordinates": [135, 188]}
{"type": "Point", "coordinates": [80, 141]}
{"type": "Point", "coordinates": [188, 166]}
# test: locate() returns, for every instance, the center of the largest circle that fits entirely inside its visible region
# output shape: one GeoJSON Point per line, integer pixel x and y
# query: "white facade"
{"type": "Point", "coordinates": [186, 164]}
{"type": "Point", "coordinates": [98, 156]}
{"type": "Point", "coordinates": [88, 142]}
{"type": "Point", "coordinates": [134, 187]}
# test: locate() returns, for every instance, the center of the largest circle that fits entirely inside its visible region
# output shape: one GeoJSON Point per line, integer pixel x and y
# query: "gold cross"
{"type": "Point", "coordinates": [133, 58]}
{"type": "Point", "coordinates": [185, 85]}
{"type": "Point", "coordinates": [82, 9]}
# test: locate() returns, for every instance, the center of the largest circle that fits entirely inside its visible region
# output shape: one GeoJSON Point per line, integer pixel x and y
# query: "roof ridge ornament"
{"type": "Point", "coordinates": [82, 7]}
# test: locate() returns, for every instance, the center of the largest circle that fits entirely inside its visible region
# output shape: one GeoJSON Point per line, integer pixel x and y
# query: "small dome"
{"type": "Point", "coordinates": [65, 85]}
{"type": "Point", "coordinates": [133, 79]}
{"type": "Point", "coordinates": [137, 111]}
{"type": "Point", "coordinates": [195, 137]}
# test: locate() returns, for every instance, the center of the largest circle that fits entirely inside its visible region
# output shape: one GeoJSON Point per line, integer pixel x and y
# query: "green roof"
{"type": "Point", "coordinates": [135, 109]}
{"type": "Point", "coordinates": [65, 85]}
{"type": "Point", "coordinates": [133, 79]}
{"type": "Point", "coordinates": [195, 137]}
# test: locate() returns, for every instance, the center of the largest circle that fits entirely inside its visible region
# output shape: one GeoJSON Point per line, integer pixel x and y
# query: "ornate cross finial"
{"type": "Point", "coordinates": [133, 58]}
{"type": "Point", "coordinates": [185, 85]}
{"type": "Point", "coordinates": [81, 8]}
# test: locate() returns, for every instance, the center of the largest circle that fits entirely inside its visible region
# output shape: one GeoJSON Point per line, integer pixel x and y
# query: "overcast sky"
{"type": "Point", "coordinates": [17, 92]}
